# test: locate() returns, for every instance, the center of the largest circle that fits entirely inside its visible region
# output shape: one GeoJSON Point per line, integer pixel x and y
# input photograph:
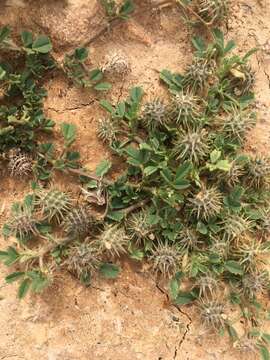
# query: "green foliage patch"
{"type": "Point", "coordinates": [189, 201]}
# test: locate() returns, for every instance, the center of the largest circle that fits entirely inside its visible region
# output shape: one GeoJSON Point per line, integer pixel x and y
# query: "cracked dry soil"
{"type": "Point", "coordinates": [130, 318]}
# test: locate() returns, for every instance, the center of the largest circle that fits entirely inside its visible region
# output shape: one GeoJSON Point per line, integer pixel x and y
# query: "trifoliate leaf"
{"type": "Point", "coordinates": [42, 45]}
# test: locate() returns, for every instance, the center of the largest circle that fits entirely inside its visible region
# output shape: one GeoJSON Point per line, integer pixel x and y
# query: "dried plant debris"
{"type": "Point", "coordinates": [116, 63]}
{"type": "Point", "coordinates": [20, 164]}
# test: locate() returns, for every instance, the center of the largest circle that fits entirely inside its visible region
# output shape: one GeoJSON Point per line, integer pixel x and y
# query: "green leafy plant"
{"type": "Point", "coordinates": [77, 71]}
{"type": "Point", "coordinates": [186, 200]}
{"type": "Point", "coordinates": [115, 10]}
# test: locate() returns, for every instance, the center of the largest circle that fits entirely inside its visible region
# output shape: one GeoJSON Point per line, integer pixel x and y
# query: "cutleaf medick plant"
{"type": "Point", "coordinates": [22, 94]}
{"type": "Point", "coordinates": [187, 201]}
{"type": "Point", "coordinates": [75, 68]}
{"type": "Point", "coordinates": [190, 201]}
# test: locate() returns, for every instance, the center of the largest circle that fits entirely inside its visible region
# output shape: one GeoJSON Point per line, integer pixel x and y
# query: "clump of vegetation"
{"type": "Point", "coordinates": [78, 72]}
{"type": "Point", "coordinates": [188, 201]}
{"type": "Point", "coordinates": [117, 10]}
{"type": "Point", "coordinates": [207, 12]}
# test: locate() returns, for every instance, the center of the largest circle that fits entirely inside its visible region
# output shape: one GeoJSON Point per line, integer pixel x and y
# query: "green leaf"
{"type": "Point", "coordinates": [14, 276]}
{"type": "Point", "coordinates": [120, 109]}
{"type": "Point", "coordinates": [181, 184]}
{"type": "Point", "coordinates": [266, 338]}
{"type": "Point", "coordinates": [39, 282]}
{"type": "Point", "coordinates": [234, 267]}
{"type": "Point", "coordinates": [6, 231]}
{"type": "Point", "coordinates": [223, 165]}
{"type": "Point", "coordinates": [4, 33]}
{"type": "Point", "coordinates": [2, 73]}
{"type": "Point", "coordinates": [264, 353]}
{"type": "Point", "coordinates": [10, 256]}
{"type": "Point", "coordinates": [109, 271]}
{"type": "Point", "coordinates": [136, 254]}
{"type": "Point", "coordinates": [127, 8]}
{"type": "Point", "coordinates": [174, 288]}
{"type": "Point", "coordinates": [27, 38]}
{"type": "Point", "coordinates": [249, 53]}
{"type": "Point", "coordinates": [198, 43]}
{"type": "Point", "coordinates": [107, 106]}
{"type": "Point", "coordinates": [183, 170]}
{"type": "Point", "coordinates": [215, 156]}
{"type": "Point", "coordinates": [116, 215]}
{"type": "Point", "coordinates": [103, 167]}
{"type": "Point", "coordinates": [202, 228]}
{"type": "Point", "coordinates": [69, 133]}
{"type": "Point", "coordinates": [184, 298]}
{"type": "Point", "coordinates": [23, 288]}
{"type": "Point", "coordinates": [81, 54]}
{"type": "Point", "coordinates": [103, 86]}
{"type": "Point", "coordinates": [232, 332]}
{"type": "Point", "coordinates": [149, 170]}
{"type": "Point", "coordinates": [230, 45]}
{"type": "Point", "coordinates": [136, 94]}
{"type": "Point", "coordinates": [28, 201]}
{"type": "Point", "coordinates": [134, 158]}
{"type": "Point", "coordinates": [42, 44]}
{"type": "Point", "coordinates": [95, 75]}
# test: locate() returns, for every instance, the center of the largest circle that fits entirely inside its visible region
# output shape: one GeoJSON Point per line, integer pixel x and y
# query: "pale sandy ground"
{"type": "Point", "coordinates": [127, 319]}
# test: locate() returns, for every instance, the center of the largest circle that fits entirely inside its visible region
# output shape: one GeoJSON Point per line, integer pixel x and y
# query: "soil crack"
{"type": "Point", "coordinates": [187, 329]}
{"type": "Point", "coordinates": [78, 107]}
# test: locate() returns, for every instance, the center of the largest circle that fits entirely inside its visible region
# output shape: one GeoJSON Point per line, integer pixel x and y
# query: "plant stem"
{"type": "Point", "coordinates": [134, 207]}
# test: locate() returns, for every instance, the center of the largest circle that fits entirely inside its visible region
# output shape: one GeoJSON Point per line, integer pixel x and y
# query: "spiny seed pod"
{"type": "Point", "coordinates": [54, 204]}
{"type": "Point", "coordinates": [213, 314]}
{"type": "Point", "coordinates": [140, 228]}
{"type": "Point", "coordinates": [232, 177]}
{"type": "Point", "coordinates": [116, 63]}
{"type": "Point", "coordinates": [22, 223]}
{"type": "Point", "coordinates": [255, 283]}
{"type": "Point", "coordinates": [165, 259]}
{"type": "Point", "coordinates": [113, 241]}
{"type": "Point", "coordinates": [78, 222]}
{"type": "Point", "coordinates": [83, 260]}
{"type": "Point", "coordinates": [251, 253]}
{"type": "Point", "coordinates": [264, 224]}
{"type": "Point", "coordinates": [212, 11]}
{"type": "Point", "coordinates": [220, 247]}
{"type": "Point", "coordinates": [243, 80]}
{"type": "Point", "coordinates": [259, 172]}
{"type": "Point", "coordinates": [107, 130]}
{"type": "Point", "coordinates": [248, 345]}
{"type": "Point", "coordinates": [206, 204]}
{"type": "Point", "coordinates": [155, 114]}
{"type": "Point", "coordinates": [198, 74]}
{"type": "Point", "coordinates": [206, 284]}
{"type": "Point", "coordinates": [237, 124]}
{"type": "Point", "coordinates": [235, 227]}
{"type": "Point", "coordinates": [192, 145]}
{"type": "Point", "coordinates": [188, 239]}
{"type": "Point", "coordinates": [185, 109]}
{"type": "Point", "coordinates": [20, 164]}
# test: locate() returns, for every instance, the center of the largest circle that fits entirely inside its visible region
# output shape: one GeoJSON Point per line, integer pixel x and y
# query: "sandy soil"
{"type": "Point", "coordinates": [129, 318]}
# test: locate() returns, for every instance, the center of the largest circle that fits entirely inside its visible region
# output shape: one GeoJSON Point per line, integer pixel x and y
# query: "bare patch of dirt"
{"type": "Point", "coordinates": [129, 318]}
